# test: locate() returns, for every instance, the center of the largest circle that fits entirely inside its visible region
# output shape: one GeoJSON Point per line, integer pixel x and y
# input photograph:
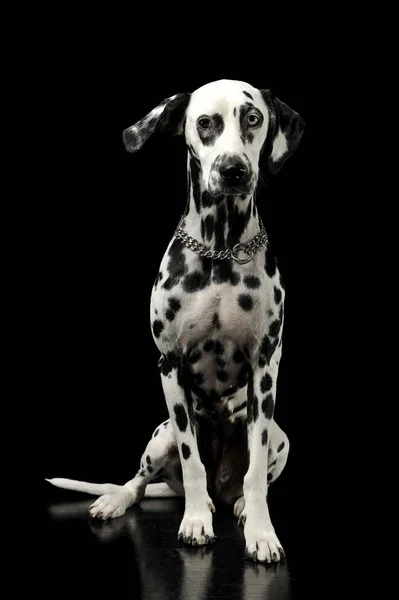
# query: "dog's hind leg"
{"type": "Point", "coordinates": [160, 462]}
{"type": "Point", "coordinates": [157, 463]}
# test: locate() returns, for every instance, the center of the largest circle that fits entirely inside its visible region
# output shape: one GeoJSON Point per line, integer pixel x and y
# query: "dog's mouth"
{"type": "Point", "coordinates": [230, 190]}
{"type": "Point", "coordinates": [218, 187]}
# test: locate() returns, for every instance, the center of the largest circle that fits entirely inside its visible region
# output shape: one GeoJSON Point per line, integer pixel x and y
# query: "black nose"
{"type": "Point", "coordinates": [233, 169]}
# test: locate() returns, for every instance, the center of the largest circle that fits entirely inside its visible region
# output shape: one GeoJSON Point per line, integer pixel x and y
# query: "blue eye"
{"type": "Point", "coordinates": [253, 119]}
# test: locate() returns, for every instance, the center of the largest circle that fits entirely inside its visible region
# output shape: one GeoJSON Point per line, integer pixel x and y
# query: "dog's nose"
{"type": "Point", "coordinates": [233, 169]}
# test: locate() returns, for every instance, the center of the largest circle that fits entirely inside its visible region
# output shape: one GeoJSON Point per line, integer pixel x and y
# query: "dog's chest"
{"type": "Point", "coordinates": [196, 301]}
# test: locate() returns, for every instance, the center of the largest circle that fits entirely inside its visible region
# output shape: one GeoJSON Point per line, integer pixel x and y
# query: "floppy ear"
{"type": "Point", "coordinates": [167, 116]}
{"type": "Point", "coordinates": [285, 131]}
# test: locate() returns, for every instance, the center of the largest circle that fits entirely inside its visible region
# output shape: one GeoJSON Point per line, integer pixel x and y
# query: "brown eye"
{"type": "Point", "coordinates": [253, 120]}
{"type": "Point", "coordinates": [204, 122]}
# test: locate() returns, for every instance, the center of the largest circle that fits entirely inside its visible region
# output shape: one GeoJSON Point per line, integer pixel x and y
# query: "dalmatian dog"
{"type": "Point", "coordinates": [217, 318]}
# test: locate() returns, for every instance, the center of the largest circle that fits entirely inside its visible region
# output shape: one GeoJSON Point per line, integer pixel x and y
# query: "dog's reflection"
{"type": "Point", "coordinates": [171, 572]}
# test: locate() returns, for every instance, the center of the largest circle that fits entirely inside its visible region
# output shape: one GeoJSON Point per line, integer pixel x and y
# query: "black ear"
{"type": "Point", "coordinates": [167, 116]}
{"type": "Point", "coordinates": [285, 131]}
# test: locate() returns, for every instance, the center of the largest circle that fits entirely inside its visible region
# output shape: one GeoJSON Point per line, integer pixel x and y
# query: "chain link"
{"type": "Point", "coordinates": [249, 248]}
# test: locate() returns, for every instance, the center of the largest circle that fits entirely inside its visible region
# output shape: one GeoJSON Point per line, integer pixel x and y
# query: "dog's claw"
{"type": "Point", "coordinates": [275, 559]}
{"type": "Point", "coordinates": [180, 537]}
{"type": "Point", "coordinates": [194, 541]}
{"type": "Point", "coordinates": [209, 539]}
{"type": "Point", "coordinates": [212, 507]}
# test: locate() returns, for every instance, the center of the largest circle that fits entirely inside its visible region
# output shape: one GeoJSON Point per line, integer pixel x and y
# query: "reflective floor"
{"type": "Point", "coordinates": [138, 555]}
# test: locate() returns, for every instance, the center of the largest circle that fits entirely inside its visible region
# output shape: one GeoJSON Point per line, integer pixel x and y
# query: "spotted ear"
{"type": "Point", "coordinates": [285, 131]}
{"type": "Point", "coordinates": [167, 116]}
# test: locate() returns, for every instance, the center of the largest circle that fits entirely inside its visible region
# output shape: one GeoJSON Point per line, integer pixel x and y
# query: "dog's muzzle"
{"type": "Point", "coordinates": [230, 175]}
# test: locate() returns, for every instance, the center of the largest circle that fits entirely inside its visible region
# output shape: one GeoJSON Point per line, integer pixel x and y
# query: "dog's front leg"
{"type": "Point", "coordinates": [196, 526]}
{"type": "Point", "coordinates": [261, 541]}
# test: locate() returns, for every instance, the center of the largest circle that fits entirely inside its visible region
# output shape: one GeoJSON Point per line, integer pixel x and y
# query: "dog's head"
{"type": "Point", "coordinates": [228, 125]}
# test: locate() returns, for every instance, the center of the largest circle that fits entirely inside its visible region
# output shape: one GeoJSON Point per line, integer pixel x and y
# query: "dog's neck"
{"type": "Point", "coordinates": [217, 222]}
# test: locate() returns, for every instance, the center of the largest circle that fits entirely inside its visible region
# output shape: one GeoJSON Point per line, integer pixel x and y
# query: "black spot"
{"type": "Point", "coordinates": [219, 227]}
{"type": "Point", "coordinates": [270, 262]}
{"type": "Point", "coordinates": [174, 304]}
{"type": "Point", "coordinates": [206, 199]}
{"type": "Point", "coordinates": [148, 459]}
{"type": "Point", "coordinates": [149, 469]}
{"type": "Point", "coordinates": [202, 229]}
{"type": "Point", "coordinates": [274, 462]}
{"type": "Point", "coordinates": [245, 301]}
{"type": "Point", "coordinates": [235, 111]}
{"type": "Point", "coordinates": [238, 356]}
{"type": "Point", "coordinates": [235, 278]}
{"type": "Point", "coordinates": [262, 362]}
{"type": "Point", "coordinates": [223, 272]}
{"type": "Point", "coordinates": [194, 356]}
{"type": "Point", "coordinates": [220, 362]}
{"type": "Point", "coordinates": [281, 446]}
{"type": "Point", "coordinates": [267, 350]}
{"type": "Point", "coordinates": [181, 416]}
{"type": "Point", "coordinates": [142, 473]}
{"type": "Point", "coordinates": [170, 314]}
{"type": "Point", "coordinates": [166, 424]}
{"type": "Point", "coordinates": [255, 408]}
{"type": "Point", "coordinates": [269, 475]}
{"type": "Point", "coordinates": [222, 375]}
{"type": "Point", "coordinates": [219, 348]}
{"type": "Point", "coordinates": [265, 437]}
{"type": "Point", "coordinates": [142, 465]}
{"type": "Point", "coordinates": [185, 450]}
{"type": "Point", "coordinates": [209, 227]}
{"type": "Point", "coordinates": [210, 134]}
{"type": "Point", "coordinates": [266, 383]}
{"type": "Point", "coordinates": [199, 378]}
{"type": "Point", "coordinates": [237, 220]}
{"type": "Point", "coordinates": [277, 295]}
{"type": "Point", "coordinates": [252, 282]}
{"type": "Point", "coordinates": [195, 176]}
{"type": "Point", "coordinates": [247, 94]}
{"type": "Point", "coordinates": [157, 327]}
{"type": "Point", "coordinates": [209, 345]}
{"type": "Point", "coordinates": [196, 281]}
{"type": "Point", "coordinates": [176, 265]}
{"type": "Point", "coordinates": [268, 406]}
{"type": "Point", "coordinates": [274, 328]}
{"type": "Point", "coordinates": [215, 321]}
{"type": "Point", "coordinates": [156, 432]}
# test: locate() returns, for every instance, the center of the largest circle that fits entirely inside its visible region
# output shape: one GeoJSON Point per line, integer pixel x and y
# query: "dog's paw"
{"type": "Point", "coordinates": [196, 527]}
{"type": "Point", "coordinates": [111, 506]}
{"type": "Point", "coordinates": [261, 542]}
{"type": "Point", "coordinates": [238, 510]}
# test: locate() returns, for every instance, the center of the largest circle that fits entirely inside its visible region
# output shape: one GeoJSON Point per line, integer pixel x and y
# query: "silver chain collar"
{"type": "Point", "coordinates": [249, 248]}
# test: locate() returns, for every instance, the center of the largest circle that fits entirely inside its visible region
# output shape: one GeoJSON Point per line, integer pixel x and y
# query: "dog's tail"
{"type": "Point", "coordinates": [96, 489]}
{"type": "Point", "coordinates": [153, 490]}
